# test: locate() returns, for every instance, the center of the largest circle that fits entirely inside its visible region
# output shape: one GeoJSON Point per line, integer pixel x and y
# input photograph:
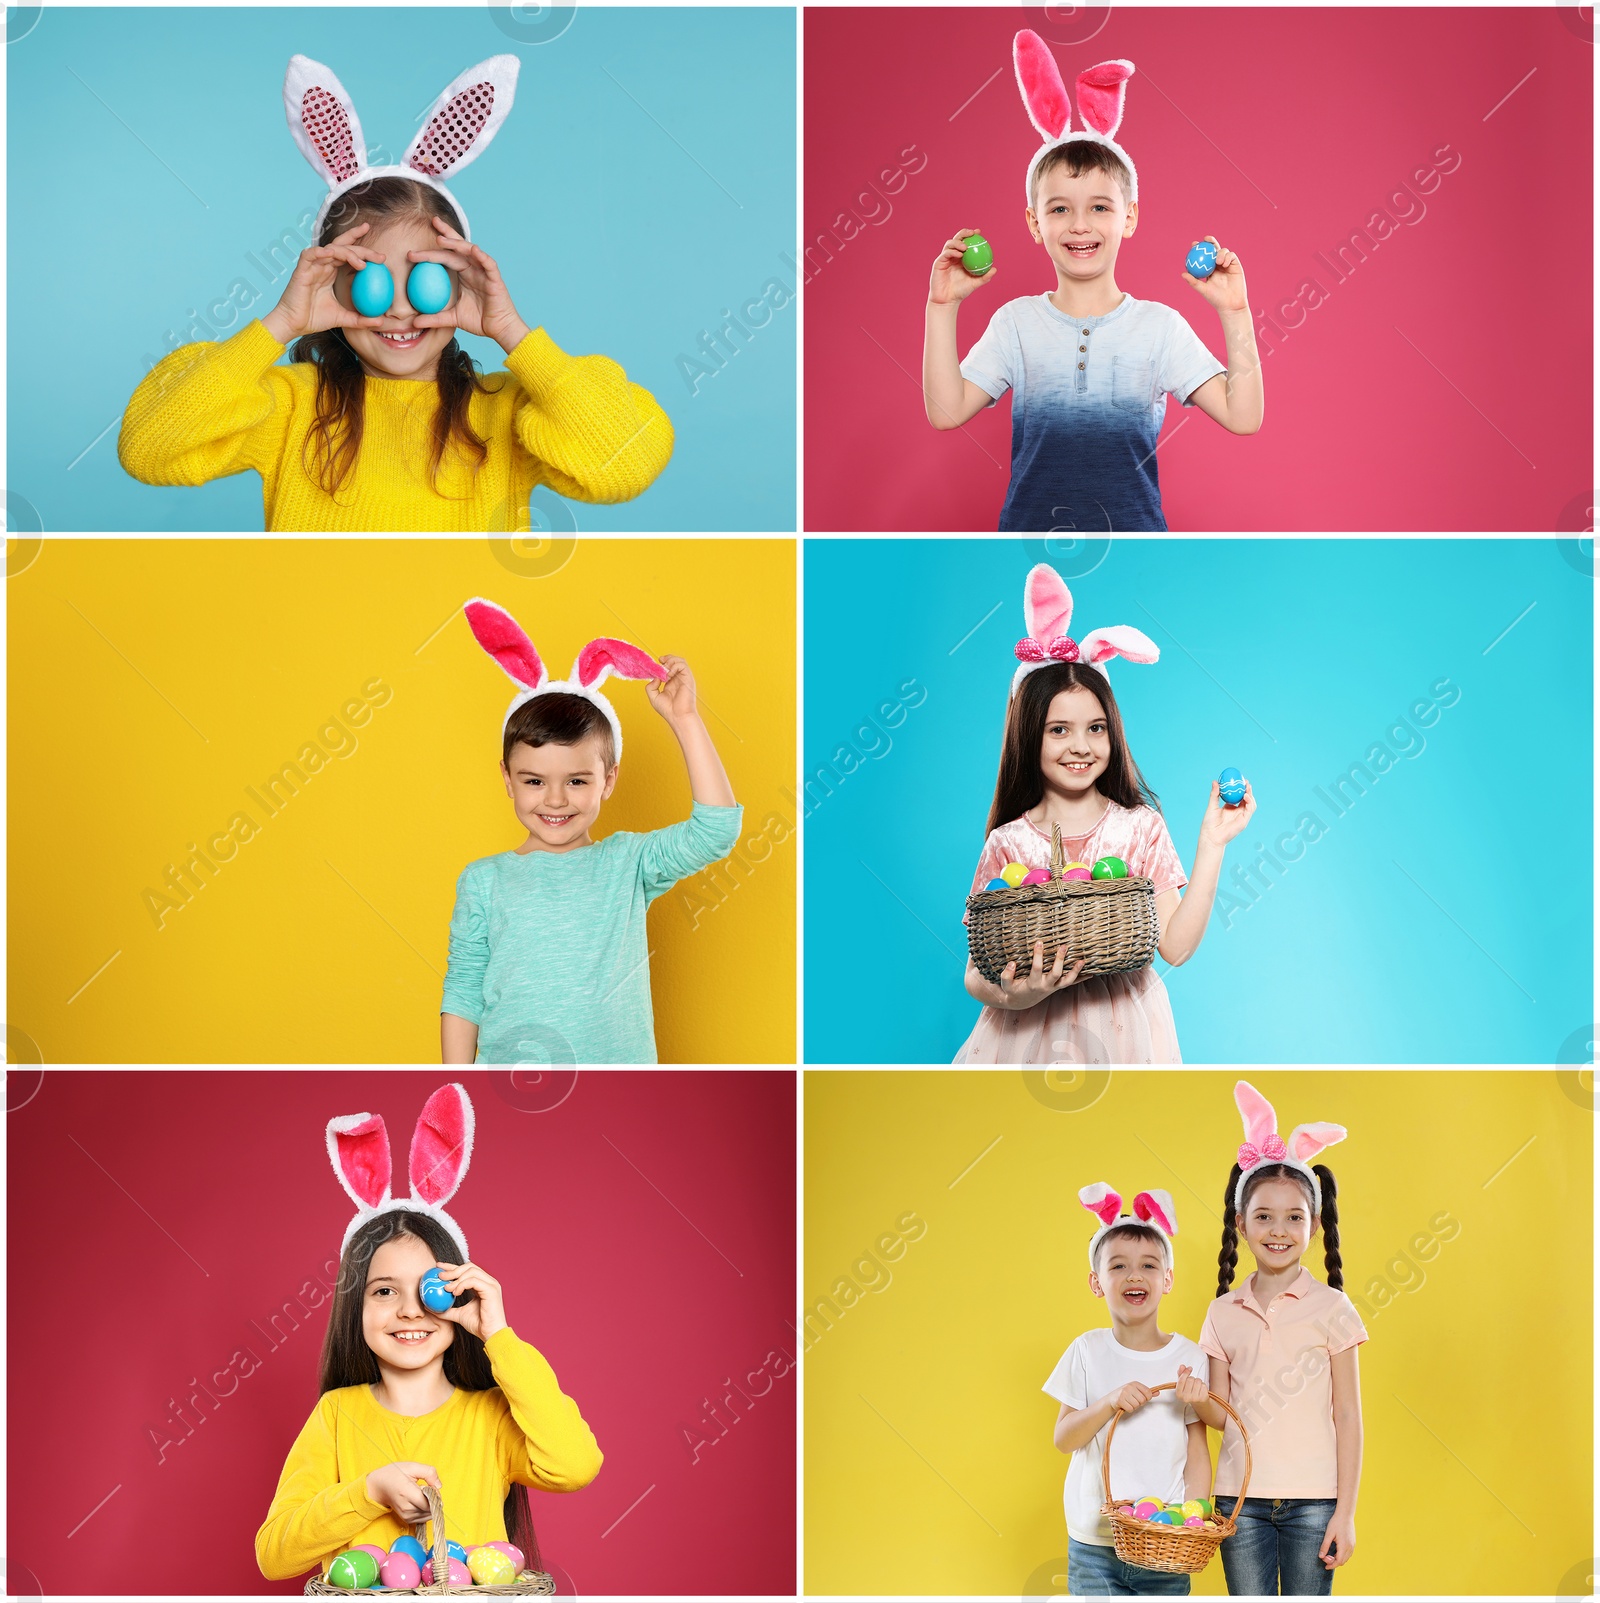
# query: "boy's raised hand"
{"type": "Point", "coordinates": [950, 283]}
{"type": "Point", "coordinates": [672, 697]}
{"type": "Point", "coordinates": [1225, 287]}
{"type": "Point", "coordinates": [1129, 1397]}
{"type": "Point", "coordinates": [1191, 1389]}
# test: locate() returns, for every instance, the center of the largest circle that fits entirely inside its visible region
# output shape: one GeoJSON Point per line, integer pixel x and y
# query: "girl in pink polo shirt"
{"type": "Point", "coordinates": [1282, 1347]}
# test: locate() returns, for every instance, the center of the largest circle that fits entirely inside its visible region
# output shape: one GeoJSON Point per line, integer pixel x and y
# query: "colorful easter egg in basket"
{"type": "Point", "coordinates": [998, 885]}
{"type": "Point", "coordinates": [1036, 876]}
{"type": "Point", "coordinates": [1077, 871]}
{"type": "Point", "coordinates": [356, 1568]}
{"type": "Point", "coordinates": [488, 1566]}
{"type": "Point", "coordinates": [411, 1547]}
{"type": "Point", "coordinates": [512, 1552]}
{"type": "Point", "coordinates": [1143, 1509]}
{"type": "Point", "coordinates": [1110, 868]}
{"type": "Point", "coordinates": [1014, 874]}
{"type": "Point", "coordinates": [400, 1571]}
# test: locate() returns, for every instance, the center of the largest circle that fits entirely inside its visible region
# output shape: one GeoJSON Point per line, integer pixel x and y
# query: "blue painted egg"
{"type": "Point", "coordinates": [372, 290]}
{"type": "Point", "coordinates": [411, 1547]}
{"type": "Point", "coordinates": [998, 885]}
{"type": "Point", "coordinates": [428, 288]}
{"type": "Point", "coordinates": [1202, 258]}
{"type": "Point", "coordinates": [455, 1550]}
{"type": "Point", "coordinates": [435, 1293]}
{"type": "Point", "coordinates": [1230, 785]}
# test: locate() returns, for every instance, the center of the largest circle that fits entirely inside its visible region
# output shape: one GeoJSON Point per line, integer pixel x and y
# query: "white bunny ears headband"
{"type": "Point", "coordinates": [1100, 95]}
{"type": "Point", "coordinates": [501, 636]}
{"type": "Point", "coordinates": [1047, 608]}
{"type": "Point", "coordinates": [1264, 1146]}
{"type": "Point", "coordinates": [455, 132]}
{"type": "Point", "coordinates": [1153, 1208]}
{"type": "Point", "coordinates": [441, 1149]}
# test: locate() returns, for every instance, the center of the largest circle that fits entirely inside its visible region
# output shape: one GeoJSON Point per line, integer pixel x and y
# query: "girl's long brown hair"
{"type": "Point", "coordinates": [347, 1360]}
{"type": "Point", "coordinates": [1228, 1258]}
{"type": "Point", "coordinates": [1019, 784]}
{"type": "Point", "coordinates": [342, 381]}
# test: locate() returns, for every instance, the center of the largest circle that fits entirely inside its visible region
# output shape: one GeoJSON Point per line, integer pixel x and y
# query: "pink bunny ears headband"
{"type": "Point", "coordinates": [441, 1149]}
{"type": "Point", "coordinates": [1263, 1145]}
{"type": "Point", "coordinates": [1149, 1208]}
{"type": "Point", "coordinates": [500, 635]}
{"type": "Point", "coordinates": [1047, 607]}
{"type": "Point", "coordinates": [1100, 94]}
{"type": "Point", "coordinates": [455, 131]}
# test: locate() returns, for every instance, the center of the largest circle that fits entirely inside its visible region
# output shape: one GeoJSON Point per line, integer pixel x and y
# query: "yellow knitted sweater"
{"type": "Point", "coordinates": [575, 423]}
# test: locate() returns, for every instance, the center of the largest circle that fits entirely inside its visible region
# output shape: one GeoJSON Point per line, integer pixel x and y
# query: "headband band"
{"type": "Point", "coordinates": [1263, 1146]}
{"type": "Point", "coordinates": [1152, 1208]}
{"type": "Point", "coordinates": [1100, 95]}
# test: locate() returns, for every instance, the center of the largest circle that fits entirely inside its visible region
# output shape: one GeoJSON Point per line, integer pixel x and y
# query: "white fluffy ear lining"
{"type": "Point", "coordinates": [322, 118]}
{"type": "Point", "coordinates": [458, 126]}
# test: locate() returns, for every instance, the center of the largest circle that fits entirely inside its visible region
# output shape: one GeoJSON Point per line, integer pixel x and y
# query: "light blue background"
{"type": "Point", "coordinates": [1287, 659]}
{"type": "Point", "coordinates": [149, 159]}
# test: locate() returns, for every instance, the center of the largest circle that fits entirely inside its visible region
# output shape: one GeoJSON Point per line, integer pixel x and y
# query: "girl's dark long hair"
{"type": "Point", "coordinates": [347, 1360]}
{"type": "Point", "coordinates": [341, 380]}
{"type": "Point", "coordinates": [1019, 784]}
{"type": "Point", "coordinates": [1228, 1258]}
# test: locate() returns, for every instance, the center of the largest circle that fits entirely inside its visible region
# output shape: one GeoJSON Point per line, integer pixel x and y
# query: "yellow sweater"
{"type": "Point", "coordinates": [523, 1429]}
{"type": "Point", "coordinates": [575, 423]}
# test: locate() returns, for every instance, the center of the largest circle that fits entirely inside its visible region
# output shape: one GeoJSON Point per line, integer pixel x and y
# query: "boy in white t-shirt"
{"type": "Point", "coordinates": [1161, 1444]}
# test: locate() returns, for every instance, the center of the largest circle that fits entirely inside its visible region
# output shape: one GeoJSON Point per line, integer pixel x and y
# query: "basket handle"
{"type": "Point", "coordinates": [1058, 858]}
{"type": "Point", "coordinates": [1169, 1385]}
{"type": "Point", "coordinates": [441, 1553]}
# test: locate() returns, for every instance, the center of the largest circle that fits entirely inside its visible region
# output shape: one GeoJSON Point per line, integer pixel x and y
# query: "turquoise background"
{"type": "Point", "coordinates": [150, 160]}
{"type": "Point", "coordinates": [1287, 659]}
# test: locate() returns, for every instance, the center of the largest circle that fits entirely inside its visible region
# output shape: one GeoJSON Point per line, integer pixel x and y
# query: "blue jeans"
{"type": "Point", "coordinates": [1097, 1572]}
{"type": "Point", "coordinates": [1274, 1550]}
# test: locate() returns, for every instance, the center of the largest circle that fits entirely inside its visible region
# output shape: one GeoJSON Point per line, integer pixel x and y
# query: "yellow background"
{"type": "Point", "coordinates": [930, 1465]}
{"type": "Point", "coordinates": [152, 681]}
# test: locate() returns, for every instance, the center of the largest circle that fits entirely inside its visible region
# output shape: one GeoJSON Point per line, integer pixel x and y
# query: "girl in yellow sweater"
{"type": "Point", "coordinates": [382, 422]}
{"type": "Point", "coordinates": [411, 1394]}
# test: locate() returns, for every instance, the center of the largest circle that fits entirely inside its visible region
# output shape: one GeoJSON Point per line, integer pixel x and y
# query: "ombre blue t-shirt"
{"type": "Point", "coordinates": [1089, 397]}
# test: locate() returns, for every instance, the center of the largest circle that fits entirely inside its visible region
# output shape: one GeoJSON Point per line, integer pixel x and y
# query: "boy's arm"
{"type": "Point", "coordinates": [1197, 1461]}
{"type": "Point", "coordinates": [949, 398]}
{"type": "Point", "coordinates": [1077, 1427]}
{"type": "Point", "coordinates": [1236, 403]}
{"type": "Point", "coordinates": [458, 1039]}
{"type": "Point", "coordinates": [675, 701]}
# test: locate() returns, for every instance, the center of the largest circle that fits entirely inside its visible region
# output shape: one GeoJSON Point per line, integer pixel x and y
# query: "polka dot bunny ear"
{"type": "Point", "coordinates": [456, 129]}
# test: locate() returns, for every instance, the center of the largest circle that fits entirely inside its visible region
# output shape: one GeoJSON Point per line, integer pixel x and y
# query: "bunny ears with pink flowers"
{"type": "Point", "coordinates": [1047, 609]}
{"type": "Point", "coordinates": [1263, 1145]}
{"type": "Point", "coordinates": [1152, 1208]}
{"type": "Point", "coordinates": [500, 635]}
{"type": "Point", "coordinates": [1100, 95]}
{"type": "Point", "coordinates": [441, 1149]}
{"type": "Point", "coordinates": [456, 128]}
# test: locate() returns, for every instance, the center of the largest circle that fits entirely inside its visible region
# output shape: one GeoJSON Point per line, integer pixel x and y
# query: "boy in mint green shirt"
{"type": "Point", "coordinates": [549, 957]}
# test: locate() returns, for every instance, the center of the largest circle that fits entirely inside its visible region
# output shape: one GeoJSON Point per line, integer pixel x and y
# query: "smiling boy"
{"type": "Point", "coordinates": [1161, 1444]}
{"type": "Point", "coordinates": [1090, 366]}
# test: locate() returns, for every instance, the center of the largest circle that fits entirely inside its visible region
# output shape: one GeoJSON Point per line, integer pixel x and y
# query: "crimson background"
{"type": "Point", "coordinates": [1327, 111]}
{"type": "Point", "coordinates": [639, 1313]}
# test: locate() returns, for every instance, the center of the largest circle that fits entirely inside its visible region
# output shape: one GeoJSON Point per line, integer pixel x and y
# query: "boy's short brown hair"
{"type": "Point", "coordinates": [1142, 1232]}
{"type": "Point", "coordinates": [1080, 156]}
{"type": "Point", "coordinates": [558, 719]}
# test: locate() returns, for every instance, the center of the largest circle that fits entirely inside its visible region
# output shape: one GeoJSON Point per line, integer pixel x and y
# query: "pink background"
{"type": "Point", "coordinates": [1328, 112]}
{"type": "Point", "coordinates": [639, 1313]}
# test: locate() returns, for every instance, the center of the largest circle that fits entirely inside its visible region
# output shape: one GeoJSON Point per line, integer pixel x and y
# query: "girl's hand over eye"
{"type": "Point", "coordinates": [482, 303]}
{"type": "Point", "coordinates": [1221, 824]}
{"type": "Point", "coordinates": [486, 1312]}
{"type": "Point", "coordinates": [308, 304]}
{"type": "Point", "coordinates": [1028, 990]}
{"type": "Point", "coordinates": [672, 697]}
{"type": "Point", "coordinates": [1340, 1536]}
{"type": "Point", "coordinates": [395, 1486]}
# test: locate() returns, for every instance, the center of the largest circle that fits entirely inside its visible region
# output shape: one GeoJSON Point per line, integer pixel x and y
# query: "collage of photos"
{"type": "Point", "coordinates": [1008, 1010]}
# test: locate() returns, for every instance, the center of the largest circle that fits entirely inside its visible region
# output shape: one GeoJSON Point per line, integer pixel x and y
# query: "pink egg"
{"type": "Point", "coordinates": [379, 1554]}
{"type": "Point", "coordinates": [1078, 871]}
{"type": "Point", "coordinates": [1194, 1519]}
{"type": "Point", "coordinates": [1036, 876]}
{"type": "Point", "coordinates": [512, 1552]}
{"type": "Point", "coordinates": [400, 1571]}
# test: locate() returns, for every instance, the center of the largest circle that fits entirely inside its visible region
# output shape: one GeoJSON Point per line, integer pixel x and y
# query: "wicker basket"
{"type": "Point", "coordinates": [1109, 923]}
{"type": "Point", "coordinates": [1177, 1549]}
{"type": "Point", "coordinates": [530, 1583]}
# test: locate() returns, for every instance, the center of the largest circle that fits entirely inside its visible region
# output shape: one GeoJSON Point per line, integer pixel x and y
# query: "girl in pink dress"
{"type": "Point", "coordinates": [1065, 761]}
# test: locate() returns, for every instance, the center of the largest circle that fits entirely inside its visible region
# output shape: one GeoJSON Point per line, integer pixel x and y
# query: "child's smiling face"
{"type": "Point", "coordinates": [1277, 1224]}
{"type": "Point", "coordinates": [1077, 742]}
{"type": "Point", "coordinates": [1133, 1278]}
{"type": "Point", "coordinates": [557, 790]}
{"type": "Point", "coordinates": [382, 358]}
{"type": "Point", "coordinates": [391, 1303]}
{"type": "Point", "coordinates": [1081, 221]}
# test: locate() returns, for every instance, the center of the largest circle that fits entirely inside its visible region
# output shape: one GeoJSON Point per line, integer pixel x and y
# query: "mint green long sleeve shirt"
{"type": "Point", "coordinates": [549, 955]}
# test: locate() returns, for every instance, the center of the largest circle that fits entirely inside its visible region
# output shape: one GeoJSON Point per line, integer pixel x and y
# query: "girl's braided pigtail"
{"type": "Point", "coordinates": [1228, 1258]}
{"type": "Point", "coordinates": [1330, 1226]}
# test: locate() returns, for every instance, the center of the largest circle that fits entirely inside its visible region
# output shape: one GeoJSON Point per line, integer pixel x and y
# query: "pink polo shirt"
{"type": "Point", "coordinates": [1280, 1383]}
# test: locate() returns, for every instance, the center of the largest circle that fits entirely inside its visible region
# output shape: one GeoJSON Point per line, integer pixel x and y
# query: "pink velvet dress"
{"type": "Point", "coordinates": [1115, 1018]}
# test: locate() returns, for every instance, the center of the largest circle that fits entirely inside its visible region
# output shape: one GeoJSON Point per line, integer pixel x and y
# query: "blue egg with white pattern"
{"type": "Point", "coordinates": [1202, 258]}
{"type": "Point", "coordinates": [372, 290]}
{"type": "Point", "coordinates": [454, 1549]}
{"type": "Point", "coordinates": [436, 1295]}
{"type": "Point", "coordinates": [411, 1547]}
{"type": "Point", "coordinates": [1230, 786]}
{"type": "Point", "coordinates": [428, 288]}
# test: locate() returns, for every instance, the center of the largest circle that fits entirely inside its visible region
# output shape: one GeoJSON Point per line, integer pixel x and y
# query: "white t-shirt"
{"type": "Point", "coordinates": [1152, 1442]}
